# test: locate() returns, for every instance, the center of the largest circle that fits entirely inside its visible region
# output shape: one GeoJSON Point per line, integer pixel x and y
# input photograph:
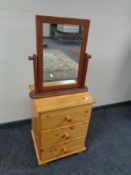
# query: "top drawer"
{"type": "Point", "coordinates": [64, 117]}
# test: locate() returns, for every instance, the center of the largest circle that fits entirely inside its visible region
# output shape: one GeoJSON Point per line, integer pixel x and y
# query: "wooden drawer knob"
{"type": "Point", "coordinates": [86, 111]}
{"type": "Point", "coordinates": [65, 150]}
{"type": "Point", "coordinates": [71, 127]}
{"type": "Point", "coordinates": [66, 135]}
{"type": "Point", "coordinates": [68, 118]}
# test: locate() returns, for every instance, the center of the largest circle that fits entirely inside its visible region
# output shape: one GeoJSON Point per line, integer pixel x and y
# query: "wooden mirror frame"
{"type": "Point", "coordinates": [62, 88]}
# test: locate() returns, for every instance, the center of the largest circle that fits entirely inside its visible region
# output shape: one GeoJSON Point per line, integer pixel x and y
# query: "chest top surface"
{"type": "Point", "coordinates": [64, 101]}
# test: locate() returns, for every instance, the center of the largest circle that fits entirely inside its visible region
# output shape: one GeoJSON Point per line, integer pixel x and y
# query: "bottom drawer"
{"type": "Point", "coordinates": [62, 150]}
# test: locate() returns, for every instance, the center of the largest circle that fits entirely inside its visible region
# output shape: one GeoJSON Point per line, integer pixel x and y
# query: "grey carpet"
{"type": "Point", "coordinates": [109, 148]}
{"type": "Point", "coordinates": [54, 44]}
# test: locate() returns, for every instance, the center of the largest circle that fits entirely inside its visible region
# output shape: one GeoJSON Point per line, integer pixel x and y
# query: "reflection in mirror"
{"type": "Point", "coordinates": [61, 53]}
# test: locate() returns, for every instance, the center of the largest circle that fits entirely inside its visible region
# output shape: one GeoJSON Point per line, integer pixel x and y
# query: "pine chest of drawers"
{"type": "Point", "coordinates": [59, 125]}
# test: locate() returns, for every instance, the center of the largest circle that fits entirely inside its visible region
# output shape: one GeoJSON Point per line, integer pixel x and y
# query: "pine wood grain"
{"type": "Point", "coordinates": [61, 150]}
{"type": "Point", "coordinates": [62, 102]}
{"type": "Point", "coordinates": [35, 124]}
{"type": "Point", "coordinates": [59, 125]}
{"type": "Point", "coordinates": [64, 117]}
{"type": "Point", "coordinates": [65, 134]}
{"type": "Point", "coordinates": [42, 162]}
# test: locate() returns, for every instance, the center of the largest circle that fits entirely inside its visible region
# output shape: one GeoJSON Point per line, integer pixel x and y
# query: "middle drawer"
{"type": "Point", "coordinates": [60, 135]}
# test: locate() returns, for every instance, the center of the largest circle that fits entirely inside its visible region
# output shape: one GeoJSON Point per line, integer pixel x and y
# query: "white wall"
{"type": "Point", "coordinates": [109, 71]}
{"type": "Point", "coordinates": [46, 30]}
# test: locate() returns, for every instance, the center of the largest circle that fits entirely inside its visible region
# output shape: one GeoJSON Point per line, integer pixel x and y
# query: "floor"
{"type": "Point", "coordinates": [109, 148]}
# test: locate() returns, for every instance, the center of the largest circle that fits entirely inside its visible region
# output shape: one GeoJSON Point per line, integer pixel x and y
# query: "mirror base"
{"type": "Point", "coordinates": [34, 95]}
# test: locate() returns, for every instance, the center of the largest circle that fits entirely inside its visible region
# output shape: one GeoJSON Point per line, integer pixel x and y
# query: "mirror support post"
{"type": "Point", "coordinates": [87, 57]}
{"type": "Point", "coordinates": [34, 59]}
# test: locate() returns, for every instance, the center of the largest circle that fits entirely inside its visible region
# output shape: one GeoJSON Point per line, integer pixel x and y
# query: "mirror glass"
{"type": "Point", "coordinates": [61, 53]}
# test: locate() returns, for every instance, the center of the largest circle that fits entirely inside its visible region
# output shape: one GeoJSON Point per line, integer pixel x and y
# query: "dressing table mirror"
{"type": "Point", "coordinates": [60, 64]}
